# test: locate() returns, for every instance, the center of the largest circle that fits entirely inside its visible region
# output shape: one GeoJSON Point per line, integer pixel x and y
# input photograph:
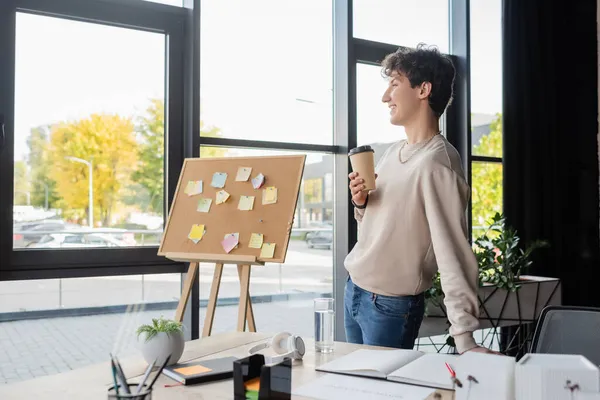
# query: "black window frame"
{"type": "Point", "coordinates": [135, 14]}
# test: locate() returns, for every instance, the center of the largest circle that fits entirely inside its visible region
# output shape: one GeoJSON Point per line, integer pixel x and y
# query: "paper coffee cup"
{"type": "Point", "coordinates": [363, 161]}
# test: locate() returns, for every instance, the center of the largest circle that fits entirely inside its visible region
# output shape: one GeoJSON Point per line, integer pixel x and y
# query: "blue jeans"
{"type": "Point", "coordinates": [377, 320]}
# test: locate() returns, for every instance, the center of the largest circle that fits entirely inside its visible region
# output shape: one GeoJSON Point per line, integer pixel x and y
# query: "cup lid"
{"type": "Point", "coordinates": [360, 149]}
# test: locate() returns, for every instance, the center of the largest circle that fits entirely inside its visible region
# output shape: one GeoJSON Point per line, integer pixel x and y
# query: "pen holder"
{"type": "Point", "coordinates": [275, 380]}
{"type": "Point", "coordinates": [144, 394]}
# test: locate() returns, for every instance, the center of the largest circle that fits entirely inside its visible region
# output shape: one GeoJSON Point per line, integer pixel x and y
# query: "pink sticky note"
{"type": "Point", "coordinates": [229, 243]}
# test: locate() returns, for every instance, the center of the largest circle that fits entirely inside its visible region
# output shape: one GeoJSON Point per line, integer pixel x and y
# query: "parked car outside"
{"type": "Point", "coordinates": [78, 240]}
{"type": "Point", "coordinates": [322, 239]}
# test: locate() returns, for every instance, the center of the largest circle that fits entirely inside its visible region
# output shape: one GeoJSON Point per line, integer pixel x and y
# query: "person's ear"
{"type": "Point", "coordinates": [425, 90]}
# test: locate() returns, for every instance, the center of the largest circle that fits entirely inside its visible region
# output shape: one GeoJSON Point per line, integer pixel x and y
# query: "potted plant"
{"type": "Point", "coordinates": [162, 338]}
{"type": "Point", "coordinates": [506, 295]}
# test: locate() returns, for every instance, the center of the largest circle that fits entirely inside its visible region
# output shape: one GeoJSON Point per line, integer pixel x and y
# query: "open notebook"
{"type": "Point", "coordinates": [405, 366]}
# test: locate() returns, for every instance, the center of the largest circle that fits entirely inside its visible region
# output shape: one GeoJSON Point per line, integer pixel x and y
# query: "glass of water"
{"type": "Point", "coordinates": [324, 322]}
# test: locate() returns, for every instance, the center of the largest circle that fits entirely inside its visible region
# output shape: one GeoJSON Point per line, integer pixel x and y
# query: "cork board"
{"type": "Point", "coordinates": [273, 221]}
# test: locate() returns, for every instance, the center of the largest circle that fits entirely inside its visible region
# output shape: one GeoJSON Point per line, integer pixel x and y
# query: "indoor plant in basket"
{"type": "Point", "coordinates": [162, 338]}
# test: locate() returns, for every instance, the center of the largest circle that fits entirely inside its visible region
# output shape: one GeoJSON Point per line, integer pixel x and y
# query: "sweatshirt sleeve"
{"type": "Point", "coordinates": [446, 197]}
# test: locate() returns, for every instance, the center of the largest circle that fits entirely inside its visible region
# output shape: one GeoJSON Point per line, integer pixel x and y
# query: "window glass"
{"type": "Point", "coordinates": [265, 75]}
{"type": "Point", "coordinates": [486, 77]}
{"type": "Point", "coordinates": [89, 131]}
{"type": "Point", "coordinates": [406, 22]}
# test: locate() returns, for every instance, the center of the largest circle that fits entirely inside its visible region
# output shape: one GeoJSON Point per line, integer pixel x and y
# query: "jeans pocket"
{"type": "Point", "coordinates": [398, 307]}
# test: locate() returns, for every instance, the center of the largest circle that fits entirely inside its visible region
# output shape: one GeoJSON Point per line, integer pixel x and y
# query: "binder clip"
{"type": "Point", "coordinates": [253, 380]}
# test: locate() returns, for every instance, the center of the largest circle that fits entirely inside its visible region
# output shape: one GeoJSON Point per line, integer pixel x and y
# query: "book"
{"type": "Point", "coordinates": [404, 366]}
{"type": "Point", "coordinates": [194, 372]}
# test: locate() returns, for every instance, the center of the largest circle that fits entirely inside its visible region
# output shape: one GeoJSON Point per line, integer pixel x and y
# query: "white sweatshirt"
{"type": "Point", "coordinates": [414, 224]}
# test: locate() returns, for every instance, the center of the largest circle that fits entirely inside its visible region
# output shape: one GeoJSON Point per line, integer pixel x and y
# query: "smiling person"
{"type": "Point", "coordinates": [414, 223]}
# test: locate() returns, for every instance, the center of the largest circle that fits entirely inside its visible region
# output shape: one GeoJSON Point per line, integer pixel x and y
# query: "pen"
{"type": "Point", "coordinates": [453, 376]}
{"type": "Point", "coordinates": [114, 374]}
{"type": "Point", "coordinates": [122, 378]}
{"type": "Point", "coordinates": [159, 371]}
{"type": "Point", "coordinates": [141, 384]}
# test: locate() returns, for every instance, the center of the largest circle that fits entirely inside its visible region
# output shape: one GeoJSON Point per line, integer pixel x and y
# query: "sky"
{"type": "Point", "coordinates": [266, 68]}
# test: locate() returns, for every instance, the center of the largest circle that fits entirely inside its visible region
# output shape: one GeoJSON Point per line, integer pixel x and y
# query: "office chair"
{"type": "Point", "coordinates": [568, 330]}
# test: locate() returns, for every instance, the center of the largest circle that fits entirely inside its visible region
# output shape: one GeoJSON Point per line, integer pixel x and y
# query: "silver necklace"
{"type": "Point", "coordinates": [414, 152]}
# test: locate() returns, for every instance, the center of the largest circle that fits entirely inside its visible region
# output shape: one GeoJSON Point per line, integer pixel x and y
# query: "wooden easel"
{"type": "Point", "coordinates": [244, 264]}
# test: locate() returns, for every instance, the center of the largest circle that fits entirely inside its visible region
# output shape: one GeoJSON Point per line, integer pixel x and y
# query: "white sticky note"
{"type": "Point", "coordinates": [243, 174]}
{"type": "Point", "coordinates": [204, 205]}
{"type": "Point", "coordinates": [222, 196]}
{"type": "Point", "coordinates": [256, 241]}
{"type": "Point", "coordinates": [246, 203]}
{"type": "Point", "coordinates": [258, 181]}
{"type": "Point", "coordinates": [267, 250]}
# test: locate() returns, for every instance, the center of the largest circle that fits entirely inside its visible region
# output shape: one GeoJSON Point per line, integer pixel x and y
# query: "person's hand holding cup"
{"type": "Point", "coordinates": [362, 178]}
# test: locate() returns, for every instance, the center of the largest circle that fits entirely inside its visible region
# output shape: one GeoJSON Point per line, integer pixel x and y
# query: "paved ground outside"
{"type": "Point", "coordinates": [33, 348]}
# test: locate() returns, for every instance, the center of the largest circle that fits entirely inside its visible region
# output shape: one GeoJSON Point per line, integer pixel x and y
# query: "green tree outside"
{"type": "Point", "coordinates": [43, 189]}
{"type": "Point", "coordinates": [487, 178]}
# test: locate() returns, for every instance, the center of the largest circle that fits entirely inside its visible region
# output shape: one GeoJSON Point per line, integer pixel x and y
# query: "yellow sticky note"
{"type": "Point", "coordinates": [267, 250]}
{"type": "Point", "coordinates": [269, 195]}
{"type": "Point", "coordinates": [204, 205]}
{"type": "Point", "coordinates": [193, 188]}
{"type": "Point", "coordinates": [222, 196]}
{"type": "Point", "coordinates": [196, 233]}
{"type": "Point", "coordinates": [192, 370]}
{"type": "Point", "coordinates": [243, 174]}
{"type": "Point", "coordinates": [246, 203]}
{"type": "Point", "coordinates": [256, 241]}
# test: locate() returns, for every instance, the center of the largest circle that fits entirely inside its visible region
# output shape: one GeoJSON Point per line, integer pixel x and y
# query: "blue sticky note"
{"type": "Point", "coordinates": [219, 179]}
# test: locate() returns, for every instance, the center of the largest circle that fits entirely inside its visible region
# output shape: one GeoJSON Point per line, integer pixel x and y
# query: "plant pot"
{"type": "Point", "coordinates": [499, 307]}
{"type": "Point", "coordinates": [161, 346]}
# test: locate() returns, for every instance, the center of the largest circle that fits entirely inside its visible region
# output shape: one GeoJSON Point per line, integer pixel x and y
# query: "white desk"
{"type": "Point", "coordinates": [92, 382]}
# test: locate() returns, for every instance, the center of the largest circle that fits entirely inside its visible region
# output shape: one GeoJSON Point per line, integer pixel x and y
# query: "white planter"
{"type": "Point", "coordinates": [161, 346]}
{"type": "Point", "coordinates": [500, 308]}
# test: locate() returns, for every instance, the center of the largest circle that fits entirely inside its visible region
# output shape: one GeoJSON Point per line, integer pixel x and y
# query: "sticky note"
{"type": "Point", "coordinates": [253, 384]}
{"type": "Point", "coordinates": [192, 370]}
{"type": "Point", "coordinates": [246, 203]}
{"type": "Point", "coordinates": [222, 196]}
{"type": "Point", "coordinates": [267, 250]}
{"type": "Point", "coordinates": [269, 195]}
{"type": "Point", "coordinates": [196, 233]}
{"type": "Point", "coordinates": [256, 241]}
{"type": "Point", "coordinates": [193, 188]}
{"type": "Point", "coordinates": [219, 179]}
{"type": "Point", "coordinates": [237, 236]}
{"type": "Point", "coordinates": [204, 205]}
{"type": "Point", "coordinates": [258, 181]}
{"type": "Point", "coordinates": [243, 174]}
{"type": "Point", "coordinates": [230, 242]}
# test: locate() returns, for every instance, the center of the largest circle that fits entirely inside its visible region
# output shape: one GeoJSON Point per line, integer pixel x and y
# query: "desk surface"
{"type": "Point", "coordinates": [92, 382]}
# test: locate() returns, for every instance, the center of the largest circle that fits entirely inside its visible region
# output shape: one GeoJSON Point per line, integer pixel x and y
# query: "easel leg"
{"type": "Point", "coordinates": [187, 289]}
{"type": "Point", "coordinates": [245, 306]}
{"type": "Point", "coordinates": [249, 311]}
{"type": "Point", "coordinates": [212, 300]}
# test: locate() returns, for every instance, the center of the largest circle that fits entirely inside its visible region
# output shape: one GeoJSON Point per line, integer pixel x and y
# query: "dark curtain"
{"type": "Point", "coordinates": [550, 138]}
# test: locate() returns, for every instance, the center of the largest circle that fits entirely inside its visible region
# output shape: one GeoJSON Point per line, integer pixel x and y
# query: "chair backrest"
{"type": "Point", "coordinates": [568, 330]}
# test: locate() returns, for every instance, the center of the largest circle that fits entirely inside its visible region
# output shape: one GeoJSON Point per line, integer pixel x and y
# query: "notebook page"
{"type": "Point", "coordinates": [371, 362]}
{"type": "Point", "coordinates": [429, 370]}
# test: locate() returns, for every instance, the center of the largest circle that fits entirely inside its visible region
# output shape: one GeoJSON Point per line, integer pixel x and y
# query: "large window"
{"type": "Point", "coordinates": [89, 135]}
{"type": "Point", "coordinates": [372, 115]}
{"type": "Point", "coordinates": [406, 22]}
{"type": "Point", "coordinates": [266, 70]}
{"type": "Point", "coordinates": [486, 111]}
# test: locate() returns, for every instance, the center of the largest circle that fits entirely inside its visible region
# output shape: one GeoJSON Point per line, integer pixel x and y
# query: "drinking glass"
{"type": "Point", "coordinates": [324, 322]}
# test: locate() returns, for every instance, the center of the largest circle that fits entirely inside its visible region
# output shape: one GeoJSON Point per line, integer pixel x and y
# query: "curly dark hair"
{"type": "Point", "coordinates": [424, 64]}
